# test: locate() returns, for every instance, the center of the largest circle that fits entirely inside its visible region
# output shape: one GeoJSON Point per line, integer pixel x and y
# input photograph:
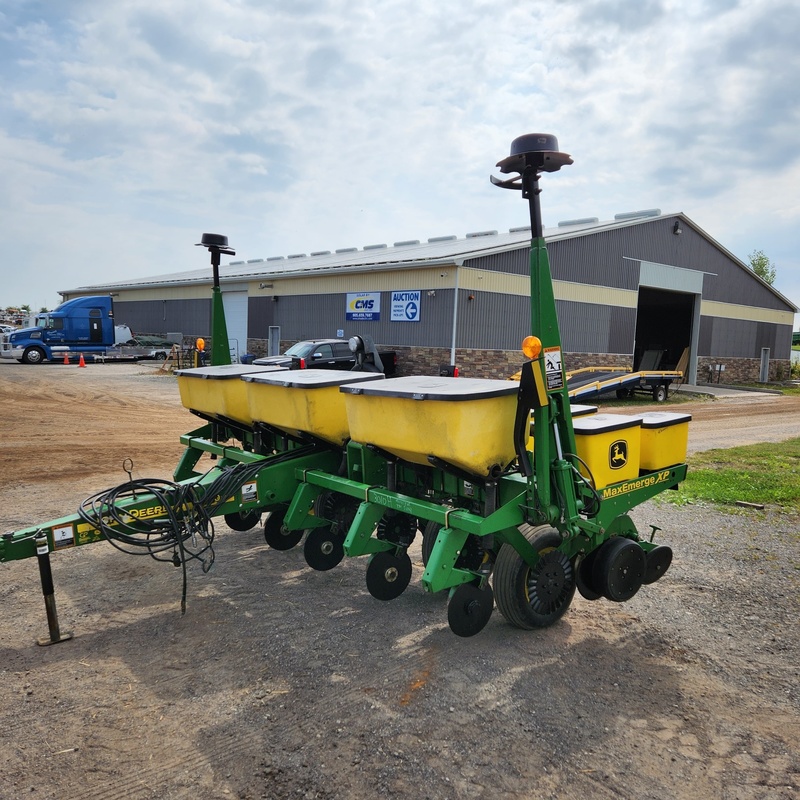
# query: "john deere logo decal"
{"type": "Point", "coordinates": [618, 454]}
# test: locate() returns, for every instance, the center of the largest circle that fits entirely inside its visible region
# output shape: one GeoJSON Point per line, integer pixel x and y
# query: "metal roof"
{"type": "Point", "coordinates": [403, 254]}
{"type": "Point", "coordinates": [407, 254]}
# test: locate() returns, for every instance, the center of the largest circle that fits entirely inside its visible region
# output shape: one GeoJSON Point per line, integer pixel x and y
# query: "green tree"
{"type": "Point", "coordinates": [762, 266]}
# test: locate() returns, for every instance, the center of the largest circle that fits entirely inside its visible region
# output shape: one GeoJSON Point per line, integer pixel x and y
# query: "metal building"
{"type": "Point", "coordinates": [642, 282]}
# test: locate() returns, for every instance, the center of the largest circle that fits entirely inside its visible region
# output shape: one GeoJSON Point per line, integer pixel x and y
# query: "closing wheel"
{"type": "Point", "coordinates": [243, 520]}
{"type": "Point", "coordinates": [388, 575]}
{"type": "Point", "coordinates": [583, 576]}
{"type": "Point", "coordinates": [397, 528]}
{"type": "Point", "coordinates": [658, 561]}
{"type": "Point", "coordinates": [469, 609]}
{"type": "Point", "coordinates": [277, 535]}
{"type": "Point", "coordinates": [619, 569]}
{"type": "Point", "coordinates": [323, 548]}
{"type": "Point", "coordinates": [534, 597]}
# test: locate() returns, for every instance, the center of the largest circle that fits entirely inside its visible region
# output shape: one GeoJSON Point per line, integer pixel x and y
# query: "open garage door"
{"type": "Point", "coordinates": [663, 324]}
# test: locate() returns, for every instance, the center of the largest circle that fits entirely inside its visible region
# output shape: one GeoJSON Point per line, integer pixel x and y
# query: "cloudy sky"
{"type": "Point", "coordinates": [128, 128]}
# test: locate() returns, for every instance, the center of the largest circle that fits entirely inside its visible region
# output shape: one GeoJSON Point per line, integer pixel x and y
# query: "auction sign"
{"type": "Point", "coordinates": [405, 306]}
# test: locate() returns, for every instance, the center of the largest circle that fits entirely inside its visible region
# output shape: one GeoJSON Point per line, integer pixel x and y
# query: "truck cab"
{"type": "Point", "coordinates": [84, 324]}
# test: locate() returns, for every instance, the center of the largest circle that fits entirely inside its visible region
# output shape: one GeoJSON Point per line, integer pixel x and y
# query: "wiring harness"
{"type": "Point", "coordinates": [178, 527]}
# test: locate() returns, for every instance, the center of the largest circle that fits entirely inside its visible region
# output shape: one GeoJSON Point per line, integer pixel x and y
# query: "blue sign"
{"type": "Point", "coordinates": [405, 306]}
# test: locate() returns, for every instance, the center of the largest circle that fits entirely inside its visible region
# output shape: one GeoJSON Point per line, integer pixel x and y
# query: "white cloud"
{"type": "Point", "coordinates": [297, 126]}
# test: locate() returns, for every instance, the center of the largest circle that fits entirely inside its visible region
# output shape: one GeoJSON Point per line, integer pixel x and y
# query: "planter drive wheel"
{"type": "Point", "coordinates": [534, 597]}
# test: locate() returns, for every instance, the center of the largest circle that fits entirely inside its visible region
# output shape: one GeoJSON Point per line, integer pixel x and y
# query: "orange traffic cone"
{"type": "Point", "coordinates": [81, 363]}
{"type": "Point", "coordinates": [66, 358]}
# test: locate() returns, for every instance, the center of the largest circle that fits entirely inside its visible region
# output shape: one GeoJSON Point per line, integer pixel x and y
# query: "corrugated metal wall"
{"type": "Point", "coordinates": [189, 317]}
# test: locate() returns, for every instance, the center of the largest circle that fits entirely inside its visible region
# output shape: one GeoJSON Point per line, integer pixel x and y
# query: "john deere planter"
{"type": "Point", "coordinates": [521, 498]}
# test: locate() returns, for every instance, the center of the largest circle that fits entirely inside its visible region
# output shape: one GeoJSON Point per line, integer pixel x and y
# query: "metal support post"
{"type": "Point", "coordinates": [46, 575]}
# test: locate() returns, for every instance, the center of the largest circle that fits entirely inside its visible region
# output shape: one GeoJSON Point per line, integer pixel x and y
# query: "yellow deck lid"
{"type": "Point", "coordinates": [604, 423]}
{"type": "Point", "coordinates": [434, 387]}
{"type": "Point", "coordinates": [662, 419]}
{"type": "Point", "coordinates": [224, 371]}
{"type": "Point", "coordinates": [313, 378]}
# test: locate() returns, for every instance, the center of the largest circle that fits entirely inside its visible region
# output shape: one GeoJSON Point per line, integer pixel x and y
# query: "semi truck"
{"type": "Point", "coordinates": [84, 325]}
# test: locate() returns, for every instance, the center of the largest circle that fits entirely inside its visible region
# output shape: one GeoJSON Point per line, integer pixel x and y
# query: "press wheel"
{"type": "Point", "coordinates": [619, 569]}
{"type": "Point", "coordinates": [388, 575]}
{"type": "Point", "coordinates": [469, 609]}
{"type": "Point", "coordinates": [277, 535]}
{"type": "Point", "coordinates": [658, 561]}
{"type": "Point", "coordinates": [534, 597]}
{"type": "Point", "coordinates": [323, 548]}
{"type": "Point", "coordinates": [243, 520]}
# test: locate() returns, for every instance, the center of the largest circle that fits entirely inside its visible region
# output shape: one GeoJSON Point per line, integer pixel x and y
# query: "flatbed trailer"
{"type": "Point", "coordinates": [583, 384]}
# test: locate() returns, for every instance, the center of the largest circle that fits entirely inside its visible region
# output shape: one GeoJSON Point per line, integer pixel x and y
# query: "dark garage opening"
{"type": "Point", "coordinates": [663, 323]}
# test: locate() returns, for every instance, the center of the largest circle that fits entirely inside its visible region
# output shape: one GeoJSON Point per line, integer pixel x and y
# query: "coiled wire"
{"type": "Point", "coordinates": [181, 521]}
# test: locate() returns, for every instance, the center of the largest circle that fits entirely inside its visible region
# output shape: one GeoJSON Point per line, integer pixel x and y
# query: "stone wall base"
{"type": "Point", "coordinates": [504, 363]}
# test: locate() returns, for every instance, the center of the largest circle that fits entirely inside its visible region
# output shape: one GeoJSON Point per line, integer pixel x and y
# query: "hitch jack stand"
{"type": "Point", "coordinates": [46, 575]}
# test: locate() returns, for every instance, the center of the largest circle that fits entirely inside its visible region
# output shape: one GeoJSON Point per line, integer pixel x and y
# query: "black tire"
{"type": "Point", "coordinates": [161, 356]}
{"type": "Point", "coordinates": [33, 355]}
{"type": "Point", "coordinates": [429, 534]}
{"type": "Point", "coordinates": [660, 393]}
{"type": "Point", "coordinates": [534, 597]}
{"type": "Point", "coordinates": [583, 576]}
{"type": "Point", "coordinates": [622, 393]}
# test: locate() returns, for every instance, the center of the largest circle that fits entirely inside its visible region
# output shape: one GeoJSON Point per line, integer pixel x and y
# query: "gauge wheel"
{"type": "Point", "coordinates": [429, 534]}
{"type": "Point", "coordinates": [277, 535]}
{"type": "Point", "coordinates": [619, 569]}
{"type": "Point", "coordinates": [243, 520]}
{"type": "Point", "coordinates": [534, 597]}
{"type": "Point", "coordinates": [388, 575]}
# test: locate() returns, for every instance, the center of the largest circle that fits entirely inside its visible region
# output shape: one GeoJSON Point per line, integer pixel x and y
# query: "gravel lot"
{"type": "Point", "coordinates": [281, 682]}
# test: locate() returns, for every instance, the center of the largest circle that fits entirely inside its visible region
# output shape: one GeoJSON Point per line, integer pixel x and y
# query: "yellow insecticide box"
{"type": "Point", "coordinates": [465, 422]}
{"type": "Point", "coordinates": [219, 392]}
{"type": "Point", "coordinates": [305, 401]}
{"type": "Point", "coordinates": [609, 445]}
{"type": "Point", "coordinates": [665, 437]}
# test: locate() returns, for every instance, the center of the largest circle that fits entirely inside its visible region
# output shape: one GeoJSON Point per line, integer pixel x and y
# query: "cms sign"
{"type": "Point", "coordinates": [364, 306]}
